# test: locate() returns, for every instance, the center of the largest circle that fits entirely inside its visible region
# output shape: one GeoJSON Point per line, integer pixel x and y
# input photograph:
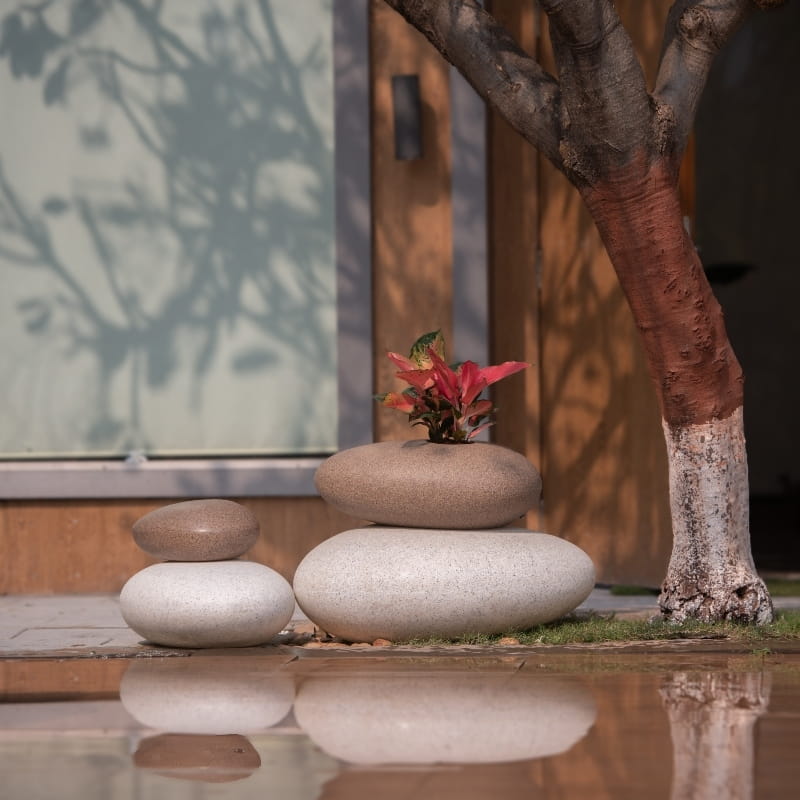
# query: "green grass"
{"type": "Point", "coordinates": [621, 590]}
{"type": "Point", "coordinates": [586, 630]}
{"type": "Point", "coordinates": [781, 587]}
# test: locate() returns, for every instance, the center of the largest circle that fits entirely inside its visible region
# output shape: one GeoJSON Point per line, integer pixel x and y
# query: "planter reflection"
{"type": "Point", "coordinates": [198, 757]}
{"type": "Point", "coordinates": [206, 696]}
{"type": "Point", "coordinates": [443, 718]}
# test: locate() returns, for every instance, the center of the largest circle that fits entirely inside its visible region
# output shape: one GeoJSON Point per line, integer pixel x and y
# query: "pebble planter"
{"type": "Point", "coordinates": [426, 485]}
{"type": "Point", "coordinates": [446, 566]}
{"type": "Point", "coordinates": [402, 583]}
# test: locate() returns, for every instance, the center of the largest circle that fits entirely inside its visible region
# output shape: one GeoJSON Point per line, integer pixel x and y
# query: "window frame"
{"type": "Point", "coordinates": [273, 475]}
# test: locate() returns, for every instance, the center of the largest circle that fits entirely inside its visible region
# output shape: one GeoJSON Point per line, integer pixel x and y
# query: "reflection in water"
{"type": "Point", "coordinates": [712, 717]}
{"type": "Point", "coordinates": [205, 696]}
{"type": "Point", "coordinates": [192, 757]}
{"type": "Point", "coordinates": [443, 718]}
{"type": "Point", "coordinates": [597, 725]}
{"type": "Point", "coordinates": [205, 704]}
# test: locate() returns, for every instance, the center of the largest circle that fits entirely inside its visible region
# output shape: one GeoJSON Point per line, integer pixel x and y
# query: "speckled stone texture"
{"type": "Point", "coordinates": [206, 759]}
{"type": "Point", "coordinates": [197, 530]}
{"type": "Point", "coordinates": [447, 718]}
{"type": "Point", "coordinates": [207, 604]}
{"type": "Point", "coordinates": [190, 695]}
{"type": "Point", "coordinates": [401, 583]}
{"type": "Point", "coordinates": [425, 485]}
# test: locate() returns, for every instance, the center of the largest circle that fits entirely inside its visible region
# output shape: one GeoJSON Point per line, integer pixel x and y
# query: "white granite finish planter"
{"type": "Point", "coordinates": [425, 485]}
{"type": "Point", "coordinates": [445, 718]}
{"type": "Point", "coordinates": [207, 603]}
{"type": "Point", "coordinates": [401, 583]}
{"type": "Point", "coordinates": [190, 695]}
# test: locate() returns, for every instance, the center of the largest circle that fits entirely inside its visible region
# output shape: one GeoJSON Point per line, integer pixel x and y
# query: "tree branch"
{"type": "Point", "coordinates": [602, 84]}
{"type": "Point", "coordinates": [491, 60]}
{"type": "Point", "coordinates": [694, 33]}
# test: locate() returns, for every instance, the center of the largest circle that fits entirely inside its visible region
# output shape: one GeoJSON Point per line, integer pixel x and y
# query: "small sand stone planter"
{"type": "Point", "coordinates": [204, 595]}
{"type": "Point", "coordinates": [439, 561]}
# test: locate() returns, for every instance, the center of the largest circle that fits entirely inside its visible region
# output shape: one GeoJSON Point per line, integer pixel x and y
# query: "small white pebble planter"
{"type": "Point", "coordinates": [207, 603]}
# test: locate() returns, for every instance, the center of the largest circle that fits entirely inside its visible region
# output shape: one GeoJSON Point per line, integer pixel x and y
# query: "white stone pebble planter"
{"type": "Point", "coordinates": [207, 604]}
{"type": "Point", "coordinates": [402, 583]}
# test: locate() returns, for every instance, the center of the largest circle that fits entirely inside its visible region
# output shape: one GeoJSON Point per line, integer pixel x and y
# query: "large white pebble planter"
{"type": "Point", "coordinates": [447, 718]}
{"type": "Point", "coordinates": [207, 604]}
{"type": "Point", "coordinates": [424, 484]}
{"type": "Point", "coordinates": [401, 583]}
{"type": "Point", "coordinates": [205, 696]}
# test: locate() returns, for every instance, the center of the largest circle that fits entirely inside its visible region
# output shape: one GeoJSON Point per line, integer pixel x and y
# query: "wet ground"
{"type": "Point", "coordinates": [104, 716]}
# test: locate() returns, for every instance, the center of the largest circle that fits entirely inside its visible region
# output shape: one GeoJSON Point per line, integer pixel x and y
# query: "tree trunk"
{"type": "Point", "coordinates": [621, 146]}
{"type": "Point", "coordinates": [699, 383]}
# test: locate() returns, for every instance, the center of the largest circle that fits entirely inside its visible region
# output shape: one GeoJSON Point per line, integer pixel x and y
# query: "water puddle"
{"type": "Point", "coordinates": [230, 725]}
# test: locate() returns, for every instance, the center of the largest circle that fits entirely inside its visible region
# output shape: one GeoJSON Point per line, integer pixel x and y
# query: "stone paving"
{"type": "Point", "coordinates": [91, 624]}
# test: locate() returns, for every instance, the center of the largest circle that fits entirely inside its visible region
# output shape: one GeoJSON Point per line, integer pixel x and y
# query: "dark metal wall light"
{"type": "Point", "coordinates": [407, 117]}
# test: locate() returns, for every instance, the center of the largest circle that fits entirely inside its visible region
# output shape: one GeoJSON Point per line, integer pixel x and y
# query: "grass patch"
{"type": "Point", "coordinates": [782, 587]}
{"type": "Point", "coordinates": [621, 590]}
{"type": "Point", "coordinates": [595, 629]}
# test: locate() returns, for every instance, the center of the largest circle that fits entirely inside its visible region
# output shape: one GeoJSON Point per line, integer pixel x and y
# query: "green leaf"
{"type": "Point", "coordinates": [419, 350]}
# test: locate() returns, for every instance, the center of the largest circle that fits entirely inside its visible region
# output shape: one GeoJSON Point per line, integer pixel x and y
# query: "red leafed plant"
{"type": "Point", "coordinates": [445, 399]}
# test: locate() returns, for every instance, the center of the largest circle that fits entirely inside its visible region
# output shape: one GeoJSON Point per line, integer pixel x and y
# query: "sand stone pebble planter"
{"type": "Point", "coordinates": [206, 759]}
{"type": "Point", "coordinates": [197, 530]}
{"type": "Point", "coordinates": [207, 604]}
{"type": "Point", "coordinates": [402, 583]}
{"type": "Point", "coordinates": [427, 485]}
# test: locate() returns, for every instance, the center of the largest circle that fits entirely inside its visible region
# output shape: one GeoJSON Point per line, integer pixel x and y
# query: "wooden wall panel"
{"type": "Point", "coordinates": [54, 547]}
{"type": "Point", "coordinates": [513, 256]}
{"type": "Point", "coordinates": [587, 414]}
{"type": "Point", "coordinates": [411, 206]}
{"type": "Point", "coordinates": [604, 460]}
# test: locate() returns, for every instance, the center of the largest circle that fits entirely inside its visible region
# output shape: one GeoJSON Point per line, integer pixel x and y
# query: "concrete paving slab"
{"type": "Point", "coordinates": [92, 625]}
{"type": "Point", "coordinates": [59, 638]}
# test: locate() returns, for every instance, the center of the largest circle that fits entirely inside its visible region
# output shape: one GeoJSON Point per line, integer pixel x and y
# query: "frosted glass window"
{"type": "Point", "coordinates": [167, 248]}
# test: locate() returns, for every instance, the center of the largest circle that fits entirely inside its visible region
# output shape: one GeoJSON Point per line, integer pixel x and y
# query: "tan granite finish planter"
{"type": "Point", "coordinates": [197, 530]}
{"type": "Point", "coordinates": [425, 485]}
{"type": "Point", "coordinates": [402, 583]}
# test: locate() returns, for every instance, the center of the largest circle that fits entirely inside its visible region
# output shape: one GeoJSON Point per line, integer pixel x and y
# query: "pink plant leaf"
{"type": "Point", "coordinates": [398, 400]}
{"type": "Point", "coordinates": [479, 409]}
{"type": "Point", "coordinates": [420, 379]}
{"type": "Point", "coordinates": [402, 362]}
{"type": "Point", "coordinates": [445, 379]}
{"type": "Point", "coordinates": [472, 381]}
{"type": "Point", "coordinates": [475, 431]}
{"type": "Point", "coordinates": [493, 374]}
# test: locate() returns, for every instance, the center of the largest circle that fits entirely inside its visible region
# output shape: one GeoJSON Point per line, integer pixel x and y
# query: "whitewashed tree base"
{"type": "Point", "coordinates": [711, 574]}
{"type": "Point", "coordinates": [404, 583]}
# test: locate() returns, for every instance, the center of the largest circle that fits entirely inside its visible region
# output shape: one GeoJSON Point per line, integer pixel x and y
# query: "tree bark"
{"type": "Point", "coordinates": [621, 147]}
{"type": "Point", "coordinates": [699, 382]}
